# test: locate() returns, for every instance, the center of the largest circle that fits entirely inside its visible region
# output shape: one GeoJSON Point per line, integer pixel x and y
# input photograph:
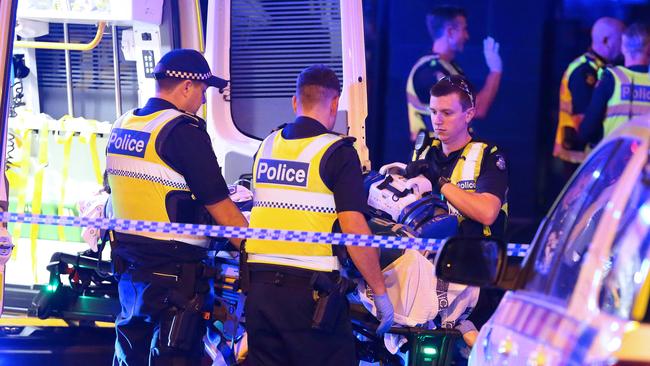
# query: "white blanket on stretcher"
{"type": "Point", "coordinates": [419, 297]}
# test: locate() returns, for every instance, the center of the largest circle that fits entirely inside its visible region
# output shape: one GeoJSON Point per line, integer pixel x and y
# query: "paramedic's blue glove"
{"type": "Point", "coordinates": [385, 313]}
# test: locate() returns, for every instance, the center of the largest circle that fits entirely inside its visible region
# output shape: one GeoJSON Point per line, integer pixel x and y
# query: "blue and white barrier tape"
{"type": "Point", "coordinates": [390, 242]}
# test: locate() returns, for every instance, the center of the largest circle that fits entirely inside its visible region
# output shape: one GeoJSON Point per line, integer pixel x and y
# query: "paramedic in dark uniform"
{"type": "Point", "coordinates": [623, 92]}
{"type": "Point", "coordinates": [470, 174]}
{"type": "Point", "coordinates": [576, 88]}
{"type": "Point", "coordinates": [161, 167]}
{"type": "Point", "coordinates": [447, 27]}
{"type": "Point", "coordinates": [306, 178]}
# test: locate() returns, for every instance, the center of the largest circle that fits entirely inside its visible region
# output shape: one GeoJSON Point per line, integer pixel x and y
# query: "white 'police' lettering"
{"type": "Point", "coordinates": [128, 142]}
{"type": "Point", "coordinates": [283, 172]}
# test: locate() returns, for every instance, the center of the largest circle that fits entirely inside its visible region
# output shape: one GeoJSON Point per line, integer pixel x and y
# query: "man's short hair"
{"type": "Point", "coordinates": [442, 16]}
{"type": "Point", "coordinates": [455, 84]}
{"type": "Point", "coordinates": [317, 84]}
{"type": "Point", "coordinates": [168, 84]}
{"type": "Point", "coordinates": [636, 38]}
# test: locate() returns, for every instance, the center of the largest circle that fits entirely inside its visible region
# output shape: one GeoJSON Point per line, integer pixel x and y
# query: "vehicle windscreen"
{"type": "Point", "coordinates": [627, 270]}
{"type": "Point", "coordinates": [570, 228]}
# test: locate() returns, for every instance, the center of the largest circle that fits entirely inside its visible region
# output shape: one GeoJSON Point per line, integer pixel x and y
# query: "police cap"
{"type": "Point", "coordinates": [187, 64]}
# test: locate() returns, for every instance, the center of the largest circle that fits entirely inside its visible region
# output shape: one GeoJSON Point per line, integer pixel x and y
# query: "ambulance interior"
{"type": "Point", "coordinates": [65, 100]}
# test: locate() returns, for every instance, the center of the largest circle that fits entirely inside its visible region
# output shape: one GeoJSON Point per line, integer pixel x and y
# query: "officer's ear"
{"type": "Point", "coordinates": [469, 114]}
{"type": "Point", "coordinates": [294, 104]}
{"type": "Point", "coordinates": [186, 87]}
{"type": "Point", "coordinates": [334, 105]}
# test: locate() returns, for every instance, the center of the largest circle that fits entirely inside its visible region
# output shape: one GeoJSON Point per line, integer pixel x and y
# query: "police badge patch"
{"type": "Point", "coordinates": [501, 162]}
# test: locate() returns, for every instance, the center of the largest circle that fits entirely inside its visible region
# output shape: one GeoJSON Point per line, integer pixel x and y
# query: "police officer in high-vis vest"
{"type": "Point", "coordinates": [306, 178]}
{"type": "Point", "coordinates": [623, 91]}
{"type": "Point", "coordinates": [471, 175]}
{"type": "Point", "coordinates": [447, 27]}
{"type": "Point", "coordinates": [161, 167]}
{"type": "Point", "coordinates": [577, 86]}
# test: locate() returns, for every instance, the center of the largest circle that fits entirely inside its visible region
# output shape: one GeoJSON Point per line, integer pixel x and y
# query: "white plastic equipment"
{"type": "Point", "coordinates": [393, 193]}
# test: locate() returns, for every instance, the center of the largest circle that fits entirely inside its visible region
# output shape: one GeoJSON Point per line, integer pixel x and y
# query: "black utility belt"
{"type": "Point", "coordinates": [286, 276]}
{"type": "Point", "coordinates": [172, 275]}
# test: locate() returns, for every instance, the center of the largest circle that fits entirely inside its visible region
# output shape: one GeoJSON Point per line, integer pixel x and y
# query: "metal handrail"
{"type": "Point", "coordinates": [64, 45]}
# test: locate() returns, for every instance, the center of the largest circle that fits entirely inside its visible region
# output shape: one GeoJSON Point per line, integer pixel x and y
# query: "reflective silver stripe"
{"type": "Point", "coordinates": [267, 149]}
{"type": "Point", "coordinates": [317, 263]}
{"type": "Point", "coordinates": [316, 146]}
{"type": "Point", "coordinates": [469, 168]}
{"type": "Point", "coordinates": [297, 197]}
{"type": "Point", "coordinates": [165, 116]}
{"type": "Point", "coordinates": [620, 74]}
{"type": "Point", "coordinates": [118, 122]}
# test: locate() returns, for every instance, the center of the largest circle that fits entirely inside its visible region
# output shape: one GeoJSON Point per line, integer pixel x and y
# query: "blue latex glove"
{"type": "Point", "coordinates": [385, 313]}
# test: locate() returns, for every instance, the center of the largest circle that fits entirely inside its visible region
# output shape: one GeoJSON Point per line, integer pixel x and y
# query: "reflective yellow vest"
{"type": "Point", "coordinates": [416, 109]}
{"type": "Point", "coordinates": [566, 118]}
{"type": "Point", "coordinates": [631, 97]}
{"type": "Point", "coordinates": [140, 180]}
{"type": "Point", "coordinates": [289, 194]}
{"type": "Point", "coordinates": [465, 173]}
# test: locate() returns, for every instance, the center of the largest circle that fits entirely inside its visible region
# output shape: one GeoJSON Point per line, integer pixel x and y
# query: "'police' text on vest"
{"type": "Point", "coordinates": [128, 142]}
{"type": "Point", "coordinates": [283, 172]}
{"type": "Point", "coordinates": [641, 93]}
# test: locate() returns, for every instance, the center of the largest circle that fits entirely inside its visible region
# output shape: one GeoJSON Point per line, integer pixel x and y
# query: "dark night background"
{"type": "Point", "coordinates": [538, 40]}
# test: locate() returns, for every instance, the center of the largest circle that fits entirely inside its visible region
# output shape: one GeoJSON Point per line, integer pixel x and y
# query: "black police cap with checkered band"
{"type": "Point", "coordinates": [187, 64]}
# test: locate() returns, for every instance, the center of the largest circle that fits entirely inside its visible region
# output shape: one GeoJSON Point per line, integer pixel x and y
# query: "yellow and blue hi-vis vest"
{"type": "Point", "coordinates": [417, 110]}
{"type": "Point", "coordinates": [566, 117]}
{"type": "Point", "coordinates": [140, 180]}
{"type": "Point", "coordinates": [289, 194]}
{"type": "Point", "coordinates": [465, 173]}
{"type": "Point", "coordinates": [631, 97]}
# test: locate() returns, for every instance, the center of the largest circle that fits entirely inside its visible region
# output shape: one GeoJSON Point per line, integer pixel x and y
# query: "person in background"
{"type": "Point", "coordinates": [447, 27]}
{"type": "Point", "coordinates": [623, 92]}
{"type": "Point", "coordinates": [576, 88]}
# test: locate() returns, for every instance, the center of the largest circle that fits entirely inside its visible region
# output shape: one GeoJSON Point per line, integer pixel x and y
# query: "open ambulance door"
{"type": "Point", "coordinates": [261, 46]}
{"type": "Point", "coordinates": [7, 21]}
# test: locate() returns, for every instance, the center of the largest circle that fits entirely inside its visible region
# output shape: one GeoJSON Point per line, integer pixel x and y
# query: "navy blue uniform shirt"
{"type": "Point", "coordinates": [188, 150]}
{"type": "Point", "coordinates": [341, 171]}
{"type": "Point", "coordinates": [492, 179]}
{"type": "Point", "coordinates": [591, 127]}
{"type": "Point", "coordinates": [582, 83]}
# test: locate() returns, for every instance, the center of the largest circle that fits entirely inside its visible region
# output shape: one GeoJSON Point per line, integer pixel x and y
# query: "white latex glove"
{"type": "Point", "coordinates": [492, 57]}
